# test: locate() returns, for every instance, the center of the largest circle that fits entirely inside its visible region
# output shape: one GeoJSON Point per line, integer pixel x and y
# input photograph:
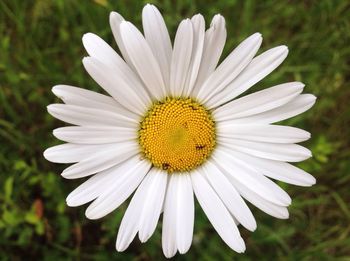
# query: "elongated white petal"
{"type": "Point", "coordinates": [185, 213]}
{"type": "Point", "coordinates": [277, 170]}
{"type": "Point", "coordinates": [274, 151]}
{"type": "Point", "coordinates": [214, 42]}
{"type": "Point", "coordinates": [229, 196]}
{"type": "Point", "coordinates": [155, 183]}
{"type": "Point", "coordinates": [115, 20]}
{"type": "Point", "coordinates": [217, 213]}
{"type": "Point", "coordinates": [230, 68]}
{"type": "Point", "coordinates": [169, 243]}
{"type": "Point", "coordinates": [181, 57]}
{"type": "Point", "coordinates": [97, 184]}
{"type": "Point", "coordinates": [144, 209]}
{"type": "Point", "coordinates": [295, 107]}
{"type": "Point", "coordinates": [249, 177]}
{"type": "Point", "coordinates": [100, 50]}
{"type": "Point", "coordinates": [198, 25]}
{"type": "Point", "coordinates": [178, 219]}
{"type": "Point", "coordinates": [129, 224]}
{"type": "Point", "coordinates": [71, 153]}
{"type": "Point", "coordinates": [94, 135]}
{"type": "Point", "coordinates": [118, 191]}
{"type": "Point", "coordinates": [262, 133]}
{"type": "Point", "coordinates": [259, 101]}
{"type": "Point", "coordinates": [259, 67]}
{"type": "Point", "coordinates": [96, 47]}
{"type": "Point", "coordinates": [143, 60]}
{"type": "Point", "coordinates": [250, 194]}
{"type": "Point", "coordinates": [101, 160]}
{"type": "Point", "coordinates": [118, 85]}
{"type": "Point", "coordinates": [82, 97]}
{"type": "Point", "coordinates": [82, 116]}
{"type": "Point", "coordinates": [158, 39]}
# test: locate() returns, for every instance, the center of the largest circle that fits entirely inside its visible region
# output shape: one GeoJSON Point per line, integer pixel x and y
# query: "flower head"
{"type": "Point", "coordinates": [173, 127]}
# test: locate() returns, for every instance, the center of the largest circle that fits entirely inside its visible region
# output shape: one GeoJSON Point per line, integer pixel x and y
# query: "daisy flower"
{"type": "Point", "coordinates": [175, 127]}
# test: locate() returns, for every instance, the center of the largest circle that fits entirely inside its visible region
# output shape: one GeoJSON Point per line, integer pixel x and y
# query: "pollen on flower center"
{"type": "Point", "coordinates": [177, 134]}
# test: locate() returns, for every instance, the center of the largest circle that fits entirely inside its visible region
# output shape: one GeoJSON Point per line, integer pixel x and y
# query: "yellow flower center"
{"type": "Point", "coordinates": [177, 134]}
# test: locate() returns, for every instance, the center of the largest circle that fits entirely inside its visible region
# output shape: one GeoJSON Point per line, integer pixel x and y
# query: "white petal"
{"type": "Point", "coordinates": [82, 116]}
{"type": "Point", "coordinates": [184, 212]}
{"type": "Point", "coordinates": [100, 50]}
{"type": "Point", "coordinates": [198, 25]}
{"type": "Point", "coordinates": [143, 60]}
{"type": "Point", "coordinates": [144, 209]}
{"type": "Point", "coordinates": [277, 170]}
{"type": "Point", "coordinates": [262, 133]}
{"type": "Point", "coordinates": [115, 20]}
{"type": "Point", "coordinates": [169, 243]}
{"type": "Point", "coordinates": [118, 85]}
{"type": "Point", "coordinates": [157, 37]}
{"type": "Point", "coordinates": [259, 101]}
{"type": "Point", "coordinates": [230, 68]}
{"type": "Point", "coordinates": [96, 47]}
{"type": "Point", "coordinates": [217, 213]}
{"type": "Point", "coordinates": [250, 194]}
{"type": "Point", "coordinates": [295, 107]}
{"type": "Point", "coordinates": [155, 184]}
{"type": "Point", "coordinates": [102, 160]}
{"type": "Point", "coordinates": [250, 178]}
{"type": "Point", "coordinates": [274, 151]}
{"type": "Point", "coordinates": [97, 184]}
{"type": "Point", "coordinates": [94, 135]}
{"type": "Point", "coordinates": [178, 218]}
{"type": "Point", "coordinates": [71, 153]}
{"type": "Point", "coordinates": [129, 225]}
{"type": "Point", "coordinates": [229, 196]}
{"type": "Point", "coordinates": [82, 97]}
{"type": "Point", "coordinates": [181, 57]}
{"type": "Point", "coordinates": [118, 191]}
{"type": "Point", "coordinates": [214, 42]}
{"type": "Point", "coordinates": [259, 67]}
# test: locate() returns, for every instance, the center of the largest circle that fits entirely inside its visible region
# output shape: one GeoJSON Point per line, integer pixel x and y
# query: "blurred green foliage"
{"type": "Point", "coordinates": [40, 46]}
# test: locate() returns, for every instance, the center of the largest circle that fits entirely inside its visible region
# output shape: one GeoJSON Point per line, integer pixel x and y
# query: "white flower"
{"type": "Point", "coordinates": [173, 128]}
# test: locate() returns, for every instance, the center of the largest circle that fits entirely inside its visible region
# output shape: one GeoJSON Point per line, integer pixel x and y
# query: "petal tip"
{"type": "Point", "coordinates": [86, 60]}
{"type": "Point", "coordinates": [300, 85]}
{"type": "Point", "coordinates": [183, 251]}
{"type": "Point", "coordinates": [119, 247]}
{"type": "Point", "coordinates": [149, 5]}
{"type": "Point", "coordinates": [67, 173]}
{"type": "Point", "coordinates": [64, 175]}
{"type": "Point", "coordinates": [169, 255]}
{"type": "Point", "coordinates": [312, 180]}
{"type": "Point", "coordinates": [88, 34]}
{"type": "Point", "coordinates": [143, 237]}
{"type": "Point", "coordinates": [218, 17]}
{"type": "Point", "coordinates": [284, 48]}
{"type": "Point", "coordinates": [114, 15]}
{"type": "Point", "coordinates": [252, 226]}
{"type": "Point", "coordinates": [50, 108]}
{"type": "Point", "coordinates": [69, 201]}
{"type": "Point", "coordinates": [257, 35]}
{"type": "Point", "coordinates": [56, 89]}
{"type": "Point", "coordinates": [90, 214]}
{"type": "Point", "coordinates": [46, 154]}
{"type": "Point", "coordinates": [242, 246]}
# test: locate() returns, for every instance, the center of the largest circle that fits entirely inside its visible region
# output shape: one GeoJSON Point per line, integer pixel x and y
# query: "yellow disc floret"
{"type": "Point", "coordinates": [177, 134]}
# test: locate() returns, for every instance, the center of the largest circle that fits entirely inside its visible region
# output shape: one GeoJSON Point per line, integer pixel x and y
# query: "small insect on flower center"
{"type": "Point", "coordinates": [177, 134]}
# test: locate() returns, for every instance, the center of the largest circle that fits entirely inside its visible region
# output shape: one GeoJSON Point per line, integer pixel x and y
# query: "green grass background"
{"type": "Point", "coordinates": [40, 46]}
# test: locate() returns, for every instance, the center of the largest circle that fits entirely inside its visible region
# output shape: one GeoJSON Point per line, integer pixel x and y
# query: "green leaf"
{"type": "Point", "coordinates": [8, 188]}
